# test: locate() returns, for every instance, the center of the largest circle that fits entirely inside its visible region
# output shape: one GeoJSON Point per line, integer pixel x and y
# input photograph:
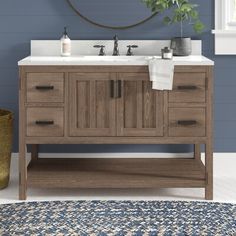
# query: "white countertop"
{"type": "Point", "coordinates": [108, 60]}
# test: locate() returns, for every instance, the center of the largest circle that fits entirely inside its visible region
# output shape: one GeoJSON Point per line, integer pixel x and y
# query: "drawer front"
{"type": "Point", "coordinates": [188, 87]}
{"type": "Point", "coordinates": [45, 87]}
{"type": "Point", "coordinates": [45, 122]}
{"type": "Point", "coordinates": [187, 122]}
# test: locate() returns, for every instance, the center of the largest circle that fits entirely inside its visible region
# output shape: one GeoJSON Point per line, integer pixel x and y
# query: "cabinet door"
{"type": "Point", "coordinates": [140, 108]}
{"type": "Point", "coordinates": [92, 110]}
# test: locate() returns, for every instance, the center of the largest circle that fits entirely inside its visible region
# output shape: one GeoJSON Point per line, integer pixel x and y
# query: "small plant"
{"type": "Point", "coordinates": [183, 11]}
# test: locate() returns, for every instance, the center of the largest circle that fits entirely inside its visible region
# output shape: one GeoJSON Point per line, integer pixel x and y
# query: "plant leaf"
{"type": "Point", "coordinates": [167, 20]}
{"type": "Point", "coordinates": [198, 26]}
{"type": "Point", "coordinates": [183, 10]}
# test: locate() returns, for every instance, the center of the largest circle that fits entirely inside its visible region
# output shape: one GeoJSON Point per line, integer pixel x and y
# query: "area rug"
{"type": "Point", "coordinates": [118, 218]}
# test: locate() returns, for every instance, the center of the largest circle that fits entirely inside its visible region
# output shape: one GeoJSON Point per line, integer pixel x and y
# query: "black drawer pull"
{"type": "Point", "coordinates": [187, 87]}
{"type": "Point", "coordinates": [112, 89]}
{"type": "Point", "coordinates": [187, 122]}
{"type": "Point", "coordinates": [44, 87]}
{"type": "Point", "coordinates": [116, 88]}
{"type": "Point", "coordinates": [44, 122]}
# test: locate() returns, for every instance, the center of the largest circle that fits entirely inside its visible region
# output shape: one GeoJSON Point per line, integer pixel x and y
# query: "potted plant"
{"type": "Point", "coordinates": [182, 11]}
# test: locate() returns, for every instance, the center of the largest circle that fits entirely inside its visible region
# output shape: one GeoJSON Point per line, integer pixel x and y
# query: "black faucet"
{"type": "Point", "coordinates": [129, 52]}
{"type": "Point", "coordinates": [102, 50]}
{"type": "Point", "coordinates": [116, 49]}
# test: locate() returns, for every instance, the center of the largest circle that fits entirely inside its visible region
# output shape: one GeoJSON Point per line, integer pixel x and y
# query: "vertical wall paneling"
{"type": "Point", "coordinates": [21, 21]}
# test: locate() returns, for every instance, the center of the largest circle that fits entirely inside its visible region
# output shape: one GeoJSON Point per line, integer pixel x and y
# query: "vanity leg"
{"type": "Point", "coordinates": [22, 171]}
{"type": "Point", "coordinates": [197, 151]}
{"type": "Point", "coordinates": [209, 134]}
{"type": "Point", "coordinates": [22, 135]}
{"type": "Point", "coordinates": [209, 171]}
{"type": "Point", "coordinates": [34, 152]}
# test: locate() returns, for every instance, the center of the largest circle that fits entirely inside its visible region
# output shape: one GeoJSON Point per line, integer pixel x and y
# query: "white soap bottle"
{"type": "Point", "coordinates": [65, 44]}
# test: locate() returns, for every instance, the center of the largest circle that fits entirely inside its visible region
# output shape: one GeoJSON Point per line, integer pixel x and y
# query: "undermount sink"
{"type": "Point", "coordinates": [88, 60]}
{"type": "Point", "coordinates": [108, 58]}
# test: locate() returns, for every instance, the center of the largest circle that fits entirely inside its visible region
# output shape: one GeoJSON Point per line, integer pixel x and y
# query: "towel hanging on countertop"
{"type": "Point", "coordinates": [161, 73]}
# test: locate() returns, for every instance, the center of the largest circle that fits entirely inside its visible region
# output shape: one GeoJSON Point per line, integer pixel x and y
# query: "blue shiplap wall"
{"type": "Point", "coordinates": [21, 21]}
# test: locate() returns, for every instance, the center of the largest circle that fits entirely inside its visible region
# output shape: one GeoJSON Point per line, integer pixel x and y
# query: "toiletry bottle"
{"type": "Point", "coordinates": [167, 53]}
{"type": "Point", "coordinates": [65, 44]}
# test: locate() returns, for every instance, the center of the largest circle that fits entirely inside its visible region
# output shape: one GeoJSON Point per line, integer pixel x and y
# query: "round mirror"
{"type": "Point", "coordinates": [113, 14]}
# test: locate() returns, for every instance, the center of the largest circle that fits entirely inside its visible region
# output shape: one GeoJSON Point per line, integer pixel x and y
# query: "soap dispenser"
{"type": "Point", "coordinates": [65, 44]}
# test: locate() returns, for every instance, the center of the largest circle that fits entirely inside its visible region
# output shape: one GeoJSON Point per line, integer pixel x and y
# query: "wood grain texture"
{"type": "Point", "coordinates": [95, 109]}
{"type": "Point", "coordinates": [66, 106]}
{"type": "Point", "coordinates": [209, 133]}
{"type": "Point", "coordinates": [92, 110]}
{"type": "Point", "coordinates": [140, 109]}
{"type": "Point", "coordinates": [108, 69]}
{"type": "Point", "coordinates": [22, 135]}
{"type": "Point", "coordinates": [116, 173]}
{"type": "Point", "coordinates": [177, 115]}
{"type": "Point", "coordinates": [188, 87]}
{"type": "Point", "coordinates": [34, 152]}
{"type": "Point", "coordinates": [56, 80]}
{"type": "Point", "coordinates": [115, 140]}
{"type": "Point", "coordinates": [197, 151]}
{"type": "Point", "coordinates": [56, 115]}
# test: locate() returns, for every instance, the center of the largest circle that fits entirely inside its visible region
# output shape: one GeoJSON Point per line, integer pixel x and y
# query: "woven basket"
{"type": "Point", "coordinates": [6, 133]}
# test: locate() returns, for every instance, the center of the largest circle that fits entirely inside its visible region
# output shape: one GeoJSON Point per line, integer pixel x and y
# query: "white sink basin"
{"type": "Point", "coordinates": [107, 58]}
{"type": "Point", "coordinates": [87, 60]}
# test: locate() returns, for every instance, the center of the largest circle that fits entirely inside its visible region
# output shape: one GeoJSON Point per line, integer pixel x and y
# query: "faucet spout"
{"type": "Point", "coordinates": [116, 47]}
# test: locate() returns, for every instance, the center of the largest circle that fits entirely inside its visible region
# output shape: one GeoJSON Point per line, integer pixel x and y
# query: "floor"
{"type": "Point", "coordinates": [224, 188]}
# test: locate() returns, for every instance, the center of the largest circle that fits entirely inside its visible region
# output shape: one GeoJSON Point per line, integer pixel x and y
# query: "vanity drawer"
{"type": "Point", "coordinates": [45, 122]}
{"type": "Point", "coordinates": [188, 87]}
{"type": "Point", "coordinates": [187, 122]}
{"type": "Point", "coordinates": [45, 87]}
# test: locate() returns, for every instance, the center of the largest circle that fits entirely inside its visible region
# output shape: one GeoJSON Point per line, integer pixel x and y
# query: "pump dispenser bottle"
{"type": "Point", "coordinates": [65, 44]}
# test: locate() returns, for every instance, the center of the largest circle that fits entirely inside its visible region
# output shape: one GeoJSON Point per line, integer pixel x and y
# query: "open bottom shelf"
{"type": "Point", "coordinates": [116, 173]}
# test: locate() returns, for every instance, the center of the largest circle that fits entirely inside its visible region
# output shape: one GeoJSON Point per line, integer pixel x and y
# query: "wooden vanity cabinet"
{"type": "Point", "coordinates": [139, 107]}
{"type": "Point", "coordinates": [92, 108]}
{"type": "Point", "coordinates": [114, 105]}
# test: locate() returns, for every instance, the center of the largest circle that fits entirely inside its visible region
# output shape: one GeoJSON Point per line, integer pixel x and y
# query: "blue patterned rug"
{"type": "Point", "coordinates": [118, 218]}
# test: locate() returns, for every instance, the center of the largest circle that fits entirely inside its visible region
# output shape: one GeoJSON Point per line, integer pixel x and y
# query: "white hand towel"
{"type": "Point", "coordinates": [161, 73]}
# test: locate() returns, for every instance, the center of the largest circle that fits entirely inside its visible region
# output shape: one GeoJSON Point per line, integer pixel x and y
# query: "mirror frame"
{"type": "Point", "coordinates": [107, 26]}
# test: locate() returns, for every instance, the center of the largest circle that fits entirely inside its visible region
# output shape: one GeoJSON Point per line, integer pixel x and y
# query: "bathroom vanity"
{"type": "Point", "coordinates": [94, 100]}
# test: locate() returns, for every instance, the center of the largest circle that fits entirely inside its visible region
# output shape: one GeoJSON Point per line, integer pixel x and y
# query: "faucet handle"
{"type": "Point", "coordinates": [102, 51]}
{"type": "Point", "coordinates": [115, 37]}
{"type": "Point", "coordinates": [129, 52]}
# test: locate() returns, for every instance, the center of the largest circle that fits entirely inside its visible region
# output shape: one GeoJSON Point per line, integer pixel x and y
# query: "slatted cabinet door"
{"type": "Point", "coordinates": [139, 108]}
{"type": "Point", "coordinates": [92, 109]}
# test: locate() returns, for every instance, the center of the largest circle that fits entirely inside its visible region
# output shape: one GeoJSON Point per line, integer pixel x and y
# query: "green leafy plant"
{"type": "Point", "coordinates": [183, 11]}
